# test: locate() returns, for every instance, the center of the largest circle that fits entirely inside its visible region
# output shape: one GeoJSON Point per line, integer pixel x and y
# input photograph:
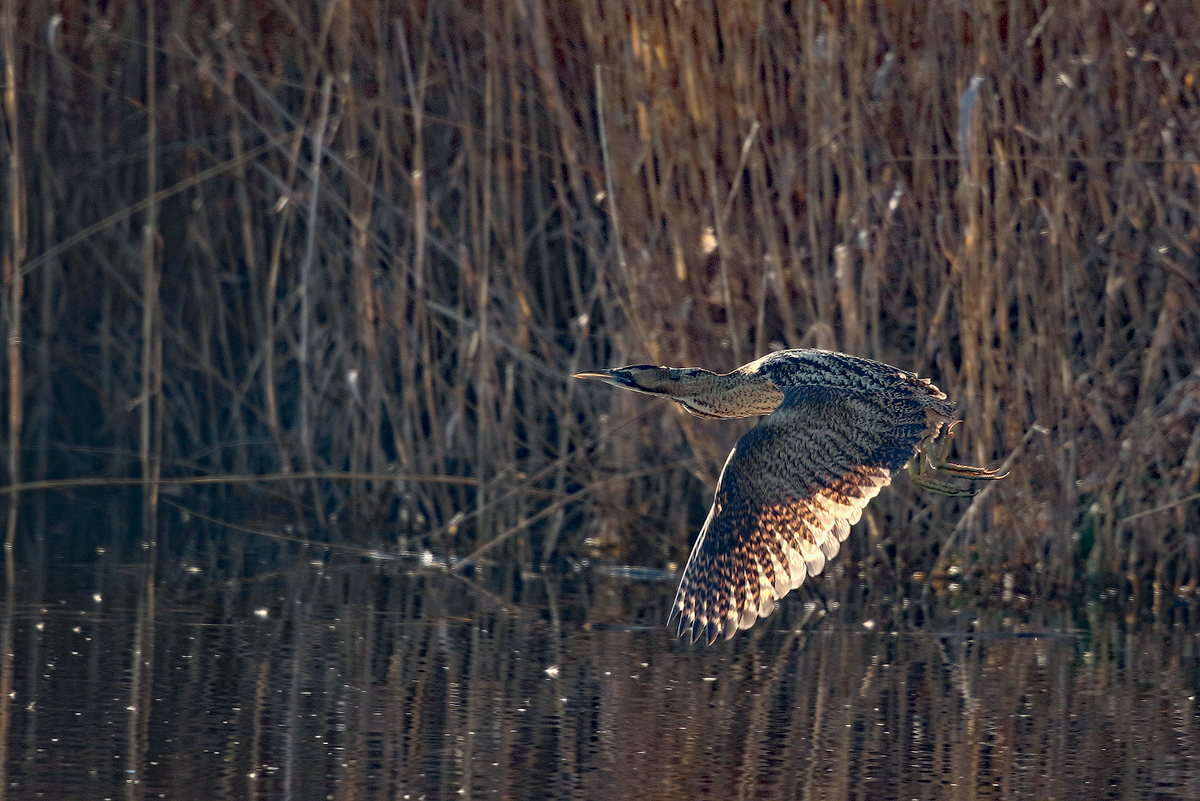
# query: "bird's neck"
{"type": "Point", "coordinates": [737, 394]}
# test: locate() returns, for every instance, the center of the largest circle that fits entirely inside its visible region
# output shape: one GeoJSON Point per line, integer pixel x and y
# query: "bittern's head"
{"type": "Point", "coordinates": [638, 377]}
{"type": "Point", "coordinates": [681, 384]}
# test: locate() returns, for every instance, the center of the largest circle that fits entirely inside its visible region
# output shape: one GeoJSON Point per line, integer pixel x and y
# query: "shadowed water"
{"type": "Point", "coordinates": [303, 673]}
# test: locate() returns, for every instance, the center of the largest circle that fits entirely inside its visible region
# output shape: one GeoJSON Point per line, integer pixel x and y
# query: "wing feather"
{"type": "Point", "coordinates": [788, 494]}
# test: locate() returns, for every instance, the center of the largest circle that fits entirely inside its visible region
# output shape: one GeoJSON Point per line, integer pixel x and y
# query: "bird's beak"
{"type": "Point", "coordinates": [601, 374]}
{"type": "Point", "coordinates": [608, 377]}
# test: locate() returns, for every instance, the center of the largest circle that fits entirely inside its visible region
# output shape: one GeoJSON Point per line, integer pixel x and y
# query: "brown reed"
{"type": "Point", "coordinates": [388, 234]}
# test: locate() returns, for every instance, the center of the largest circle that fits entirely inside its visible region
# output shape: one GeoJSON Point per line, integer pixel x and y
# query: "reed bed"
{"type": "Point", "coordinates": [363, 245]}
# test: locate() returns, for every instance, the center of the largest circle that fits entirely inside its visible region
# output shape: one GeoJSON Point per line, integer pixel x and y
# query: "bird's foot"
{"type": "Point", "coordinates": [925, 481]}
{"type": "Point", "coordinates": [936, 456]}
{"type": "Point", "coordinates": [932, 453]}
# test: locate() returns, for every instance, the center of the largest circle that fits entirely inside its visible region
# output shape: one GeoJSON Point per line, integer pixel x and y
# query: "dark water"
{"type": "Point", "coordinates": [303, 673]}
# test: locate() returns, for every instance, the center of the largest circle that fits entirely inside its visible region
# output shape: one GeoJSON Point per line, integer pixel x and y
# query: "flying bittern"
{"type": "Point", "coordinates": [837, 428]}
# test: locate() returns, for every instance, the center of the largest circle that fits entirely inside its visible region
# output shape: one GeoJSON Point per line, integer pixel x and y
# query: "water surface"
{"type": "Point", "coordinates": [307, 673]}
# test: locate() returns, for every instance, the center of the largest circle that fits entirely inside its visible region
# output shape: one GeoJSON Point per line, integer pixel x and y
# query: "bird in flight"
{"type": "Point", "coordinates": [837, 429]}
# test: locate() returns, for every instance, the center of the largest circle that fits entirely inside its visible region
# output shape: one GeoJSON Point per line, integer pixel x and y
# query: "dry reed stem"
{"type": "Point", "coordinates": [14, 260]}
{"type": "Point", "coordinates": [13, 257]}
{"type": "Point", "coordinates": [305, 287]}
{"type": "Point", "coordinates": [151, 343]}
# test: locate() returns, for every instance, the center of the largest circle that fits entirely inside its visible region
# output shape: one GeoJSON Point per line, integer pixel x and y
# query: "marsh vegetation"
{"type": "Point", "coordinates": [342, 258]}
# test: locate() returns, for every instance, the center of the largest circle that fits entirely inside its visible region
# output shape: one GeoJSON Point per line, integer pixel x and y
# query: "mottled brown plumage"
{"type": "Point", "coordinates": [838, 428]}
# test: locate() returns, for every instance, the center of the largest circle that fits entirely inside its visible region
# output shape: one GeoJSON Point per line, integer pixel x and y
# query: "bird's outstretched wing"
{"type": "Point", "coordinates": [790, 490]}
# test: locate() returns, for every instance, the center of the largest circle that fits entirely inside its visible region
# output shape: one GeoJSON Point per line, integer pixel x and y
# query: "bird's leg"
{"type": "Point", "coordinates": [935, 454]}
{"type": "Point", "coordinates": [931, 454]}
{"type": "Point", "coordinates": [916, 472]}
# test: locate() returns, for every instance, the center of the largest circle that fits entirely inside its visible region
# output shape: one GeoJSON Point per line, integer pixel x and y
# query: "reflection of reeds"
{"type": "Point", "coordinates": [13, 256]}
{"type": "Point", "coordinates": [790, 175]}
{"type": "Point", "coordinates": [383, 679]}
